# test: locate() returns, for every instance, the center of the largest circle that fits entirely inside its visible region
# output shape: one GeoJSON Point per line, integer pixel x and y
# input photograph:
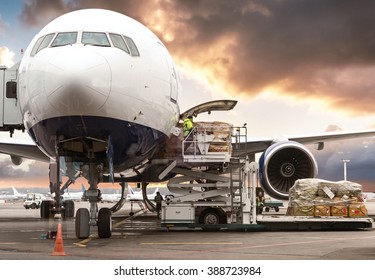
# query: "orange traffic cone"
{"type": "Point", "coordinates": [59, 246]}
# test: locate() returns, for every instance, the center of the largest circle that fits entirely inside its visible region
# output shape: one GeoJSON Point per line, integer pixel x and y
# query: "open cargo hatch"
{"type": "Point", "coordinates": [217, 105]}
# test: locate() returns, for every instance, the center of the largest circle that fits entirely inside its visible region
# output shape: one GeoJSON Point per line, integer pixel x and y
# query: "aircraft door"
{"type": "Point", "coordinates": [174, 86]}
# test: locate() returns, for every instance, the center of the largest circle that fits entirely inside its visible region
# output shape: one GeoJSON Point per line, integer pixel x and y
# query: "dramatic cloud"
{"type": "Point", "coordinates": [361, 167]}
{"type": "Point", "coordinates": [6, 57]}
{"type": "Point", "coordinates": [40, 12]}
{"type": "Point", "coordinates": [28, 169]}
{"type": "Point", "coordinates": [307, 49]}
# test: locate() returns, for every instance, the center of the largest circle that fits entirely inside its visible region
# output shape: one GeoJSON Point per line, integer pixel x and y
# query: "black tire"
{"type": "Point", "coordinates": [105, 223]}
{"type": "Point", "coordinates": [45, 209]}
{"type": "Point", "coordinates": [211, 216]}
{"type": "Point", "coordinates": [82, 223]}
{"type": "Point", "coordinates": [33, 206]}
{"type": "Point", "coordinates": [267, 209]}
{"type": "Point", "coordinates": [277, 209]}
{"type": "Point", "coordinates": [69, 208]}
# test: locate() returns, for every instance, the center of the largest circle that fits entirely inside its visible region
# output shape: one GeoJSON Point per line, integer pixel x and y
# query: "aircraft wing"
{"type": "Point", "coordinates": [18, 150]}
{"type": "Point", "coordinates": [31, 151]}
{"type": "Point", "coordinates": [259, 145]}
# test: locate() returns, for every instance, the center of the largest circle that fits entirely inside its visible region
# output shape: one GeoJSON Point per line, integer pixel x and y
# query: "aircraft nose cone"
{"type": "Point", "coordinates": [78, 80]}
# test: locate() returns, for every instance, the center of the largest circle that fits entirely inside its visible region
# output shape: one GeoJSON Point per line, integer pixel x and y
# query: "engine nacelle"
{"type": "Point", "coordinates": [16, 160]}
{"type": "Point", "coordinates": [282, 164]}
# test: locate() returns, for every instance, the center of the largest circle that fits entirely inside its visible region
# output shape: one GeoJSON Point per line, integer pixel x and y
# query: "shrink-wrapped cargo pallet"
{"type": "Point", "coordinates": [206, 137]}
{"type": "Point", "coordinates": [221, 135]}
{"type": "Point", "coordinates": [319, 198]}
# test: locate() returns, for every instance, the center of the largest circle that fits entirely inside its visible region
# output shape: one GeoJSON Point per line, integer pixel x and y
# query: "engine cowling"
{"type": "Point", "coordinates": [16, 160]}
{"type": "Point", "coordinates": [282, 164]}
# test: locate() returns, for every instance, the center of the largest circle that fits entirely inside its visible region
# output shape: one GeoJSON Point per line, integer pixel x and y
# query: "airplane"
{"type": "Point", "coordinates": [110, 197]}
{"type": "Point", "coordinates": [13, 197]}
{"type": "Point", "coordinates": [19, 195]}
{"type": "Point", "coordinates": [138, 196]}
{"type": "Point", "coordinates": [76, 196]}
{"type": "Point", "coordinates": [368, 196]}
{"type": "Point", "coordinates": [99, 95]}
{"type": "Point", "coordinates": [115, 197]}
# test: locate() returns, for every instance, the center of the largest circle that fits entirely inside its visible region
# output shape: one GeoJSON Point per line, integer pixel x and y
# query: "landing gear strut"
{"type": "Point", "coordinates": [49, 208]}
{"type": "Point", "coordinates": [85, 219]}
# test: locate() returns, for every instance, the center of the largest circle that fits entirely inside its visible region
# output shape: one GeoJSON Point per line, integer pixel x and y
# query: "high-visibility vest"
{"type": "Point", "coordinates": [260, 201]}
{"type": "Point", "coordinates": [188, 125]}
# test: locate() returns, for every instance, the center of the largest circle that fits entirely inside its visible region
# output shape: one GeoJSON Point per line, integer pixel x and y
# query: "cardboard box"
{"type": "Point", "coordinates": [339, 210]}
{"type": "Point", "coordinates": [357, 210]}
{"type": "Point", "coordinates": [322, 211]}
{"type": "Point", "coordinates": [303, 210]}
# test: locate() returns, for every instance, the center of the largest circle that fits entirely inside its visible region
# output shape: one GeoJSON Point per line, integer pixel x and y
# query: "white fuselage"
{"type": "Point", "coordinates": [91, 86]}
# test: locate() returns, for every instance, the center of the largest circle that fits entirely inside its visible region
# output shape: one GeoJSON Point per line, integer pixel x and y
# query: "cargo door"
{"type": "Point", "coordinates": [216, 105]}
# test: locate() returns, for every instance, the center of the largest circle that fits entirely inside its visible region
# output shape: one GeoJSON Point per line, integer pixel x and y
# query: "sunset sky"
{"type": "Point", "coordinates": [294, 66]}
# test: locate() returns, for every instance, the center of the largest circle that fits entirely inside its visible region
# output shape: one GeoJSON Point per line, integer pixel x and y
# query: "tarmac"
{"type": "Point", "coordinates": [22, 237]}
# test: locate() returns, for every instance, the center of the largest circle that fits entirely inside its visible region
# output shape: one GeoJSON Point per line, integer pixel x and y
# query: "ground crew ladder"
{"type": "Point", "coordinates": [235, 186]}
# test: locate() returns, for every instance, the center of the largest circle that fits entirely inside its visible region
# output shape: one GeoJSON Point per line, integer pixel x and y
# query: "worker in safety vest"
{"type": "Point", "coordinates": [188, 125]}
{"type": "Point", "coordinates": [260, 202]}
{"type": "Point", "coordinates": [158, 198]}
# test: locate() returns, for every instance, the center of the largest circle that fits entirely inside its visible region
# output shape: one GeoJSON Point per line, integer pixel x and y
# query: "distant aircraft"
{"type": "Point", "coordinates": [111, 197]}
{"type": "Point", "coordinates": [368, 196]}
{"type": "Point", "coordinates": [13, 197]}
{"type": "Point", "coordinates": [20, 195]}
{"type": "Point", "coordinates": [138, 196]}
{"type": "Point", "coordinates": [75, 196]}
{"type": "Point", "coordinates": [99, 93]}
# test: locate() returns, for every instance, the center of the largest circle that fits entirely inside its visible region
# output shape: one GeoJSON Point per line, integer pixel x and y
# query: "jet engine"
{"type": "Point", "coordinates": [16, 160]}
{"type": "Point", "coordinates": [282, 164]}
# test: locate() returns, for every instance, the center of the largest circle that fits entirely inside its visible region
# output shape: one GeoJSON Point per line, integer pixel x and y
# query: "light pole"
{"type": "Point", "coordinates": [345, 161]}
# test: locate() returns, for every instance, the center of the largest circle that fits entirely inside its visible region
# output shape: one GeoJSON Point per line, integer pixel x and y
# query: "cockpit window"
{"type": "Point", "coordinates": [95, 39]}
{"type": "Point", "coordinates": [133, 48]}
{"type": "Point", "coordinates": [36, 46]}
{"type": "Point", "coordinates": [64, 38]}
{"type": "Point", "coordinates": [47, 39]}
{"type": "Point", "coordinates": [119, 42]}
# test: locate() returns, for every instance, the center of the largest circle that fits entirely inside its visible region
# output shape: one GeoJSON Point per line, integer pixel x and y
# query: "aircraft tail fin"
{"type": "Point", "coordinates": [131, 191]}
{"type": "Point", "coordinates": [15, 192]}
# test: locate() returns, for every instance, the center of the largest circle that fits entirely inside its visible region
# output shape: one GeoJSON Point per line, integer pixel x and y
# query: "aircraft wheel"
{"type": "Point", "coordinates": [105, 223]}
{"type": "Point", "coordinates": [69, 209]}
{"type": "Point", "coordinates": [82, 223]}
{"type": "Point", "coordinates": [45, 209]}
